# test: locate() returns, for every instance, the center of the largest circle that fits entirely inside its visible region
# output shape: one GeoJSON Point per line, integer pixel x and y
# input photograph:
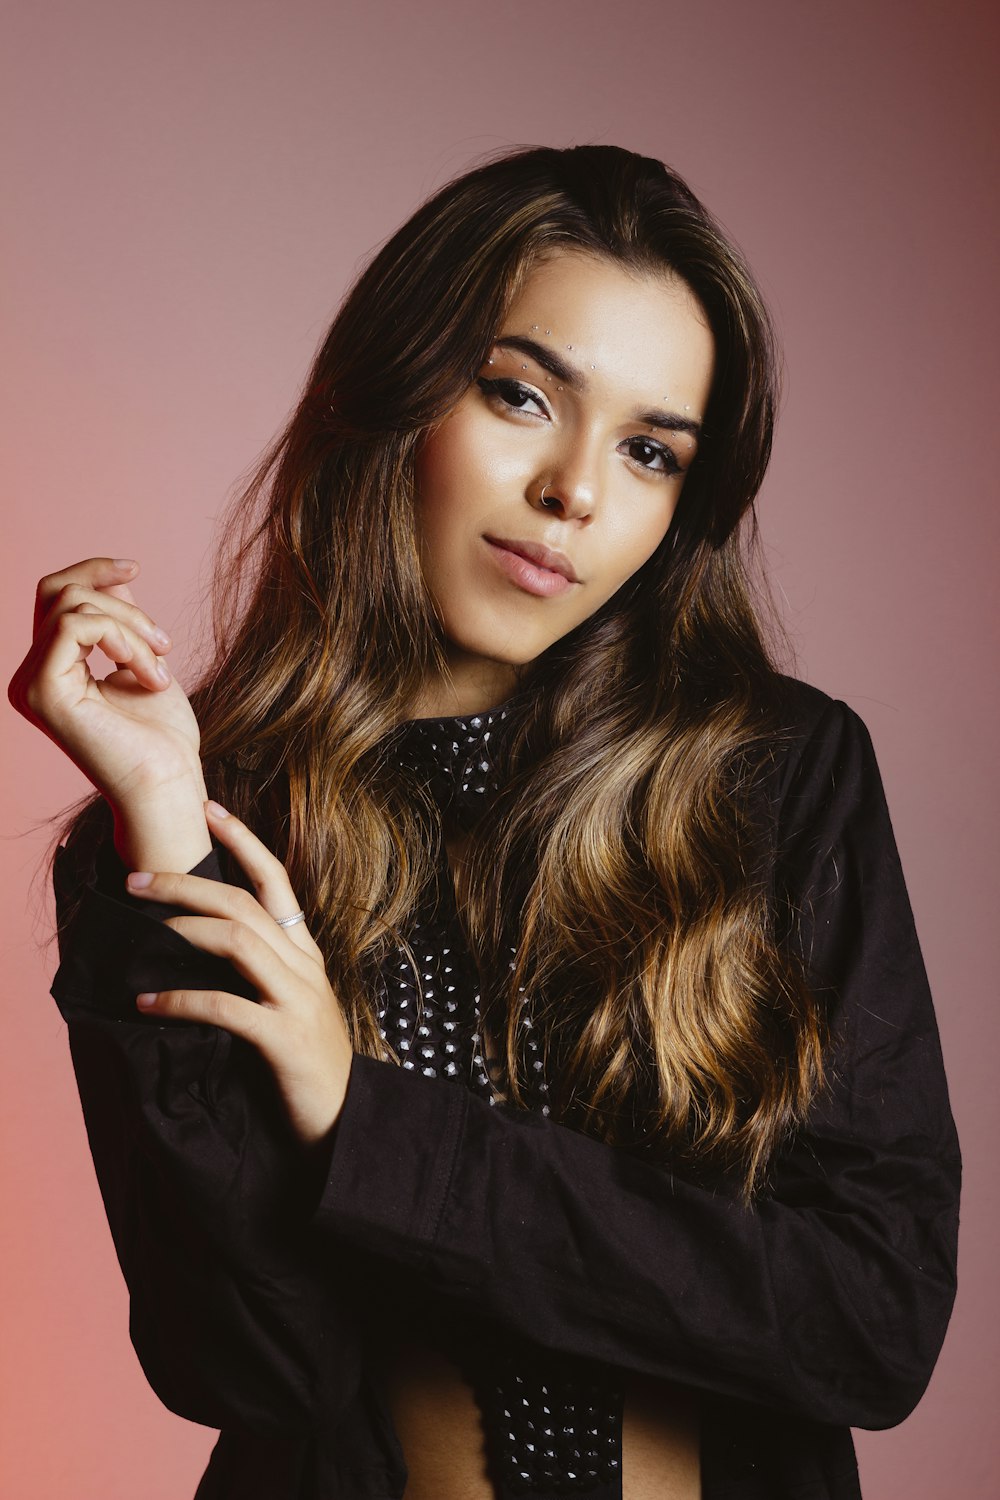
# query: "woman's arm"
{"type": "Point", "coordinates": [198, 1171]}
{"type": "Point", "coordinates": [828, 1298]}
{"type": "Point", "coordinates": [189, 1146]}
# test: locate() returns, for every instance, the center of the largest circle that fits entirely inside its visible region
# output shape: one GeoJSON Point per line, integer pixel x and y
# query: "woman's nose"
{"type": "Point", "coordinates": [573, 499]}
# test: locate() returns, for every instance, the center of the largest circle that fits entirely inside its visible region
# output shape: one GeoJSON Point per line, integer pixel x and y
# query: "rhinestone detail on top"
{"type": "Point", "coordinates": [551, 1424]}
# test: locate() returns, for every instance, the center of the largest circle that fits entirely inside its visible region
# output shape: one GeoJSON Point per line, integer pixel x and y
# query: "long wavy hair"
{"type": "Point", "coordinates": [625, 860]}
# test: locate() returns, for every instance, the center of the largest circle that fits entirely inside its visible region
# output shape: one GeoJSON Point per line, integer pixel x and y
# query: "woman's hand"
{"type": "Point", "coordinates": [130, 731]}
{"type": "Point", "coordinates": [133, 733]}
{"type": "Point", "coordinates": [297, 1024]}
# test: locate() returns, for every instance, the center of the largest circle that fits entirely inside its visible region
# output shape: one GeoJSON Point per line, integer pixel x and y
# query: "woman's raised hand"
{"type": "Point", "coordinates": [296, 1023]}
{"type": "Point", "coordinates": [133, 734]}
{"type": "Point", "coordinates": [134, 726]}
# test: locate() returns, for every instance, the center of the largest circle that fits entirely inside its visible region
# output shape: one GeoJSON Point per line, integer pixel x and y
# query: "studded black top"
{"type": "Point", "coordinates": [552, 1426]}
{"type": "Point", "coordinates": [819, 1308]}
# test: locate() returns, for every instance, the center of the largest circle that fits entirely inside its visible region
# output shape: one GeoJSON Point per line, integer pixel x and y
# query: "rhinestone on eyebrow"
{"type": "Point", "coordinates": [548, 330]}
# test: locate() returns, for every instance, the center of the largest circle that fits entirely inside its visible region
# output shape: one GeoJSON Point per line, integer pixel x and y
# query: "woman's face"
{"type": "Point", "coordinates": [558, 472]}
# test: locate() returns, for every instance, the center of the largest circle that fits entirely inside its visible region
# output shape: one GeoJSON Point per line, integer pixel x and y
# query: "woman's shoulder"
{"type": "Point", "coordinates": [821, 746]}
{"type": "Point", "coordinates": [822, 761]}
{"type": "Point", "coordinates": [806, 710]}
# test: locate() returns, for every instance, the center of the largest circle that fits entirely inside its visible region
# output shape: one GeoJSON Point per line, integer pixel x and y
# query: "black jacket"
{"type": "Point", "coordinates": [821, 1307]}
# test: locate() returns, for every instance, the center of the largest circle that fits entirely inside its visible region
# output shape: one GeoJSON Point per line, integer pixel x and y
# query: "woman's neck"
{"type": "Point", "coordinates": [467, 687]}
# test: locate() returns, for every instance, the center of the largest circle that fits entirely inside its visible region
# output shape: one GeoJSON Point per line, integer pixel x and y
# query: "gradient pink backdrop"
{"type": "Point", "coordinates": [189, 189]}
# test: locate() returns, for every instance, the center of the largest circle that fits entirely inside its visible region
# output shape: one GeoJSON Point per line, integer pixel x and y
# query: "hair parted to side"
{"type": "Point", "coordinates": [623, 862]}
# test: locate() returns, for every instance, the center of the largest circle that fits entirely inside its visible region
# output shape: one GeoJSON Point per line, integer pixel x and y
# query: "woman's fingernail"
{"type": "Point", "coordinates": [216, 810]}
{"type": "Point", "coordinates": [160, 637]}
{"type": "Point", "coordinates": [161, 672]}
{"type": "Point", "coordinates": [145, 1000]}
{"type": "Point", "coordinates": [139, 879]}
{"type": "Point", "coordinates": [125, 564]}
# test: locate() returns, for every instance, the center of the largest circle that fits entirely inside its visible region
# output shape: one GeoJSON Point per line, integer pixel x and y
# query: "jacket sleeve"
{"type": "Point", "coordinates": [232, 1325]}
{"type": "Point", "coordinates": [829, 1297]}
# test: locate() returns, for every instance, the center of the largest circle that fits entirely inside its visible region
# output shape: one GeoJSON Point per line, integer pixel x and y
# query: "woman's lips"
{"type": "Point", "coordinates": [530, 572]}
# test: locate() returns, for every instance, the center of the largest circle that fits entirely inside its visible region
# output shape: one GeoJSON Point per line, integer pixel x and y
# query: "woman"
{"type": "Point", "coordinates": [506, 794]}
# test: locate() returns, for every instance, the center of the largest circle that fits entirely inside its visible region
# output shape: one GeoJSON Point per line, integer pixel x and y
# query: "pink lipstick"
{"type": "Point", "coordinates": [537, 569]}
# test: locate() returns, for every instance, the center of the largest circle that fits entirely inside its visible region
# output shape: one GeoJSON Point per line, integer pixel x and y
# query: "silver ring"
{"type": "Point", "coordinates": [298, 916]}
{"type": "Point", "coordinates": [541, 498]}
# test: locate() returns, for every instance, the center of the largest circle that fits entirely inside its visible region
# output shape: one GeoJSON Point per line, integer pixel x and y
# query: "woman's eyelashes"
{"type": "Point", "coordinates": [511, 393]}
{"type": "Point", "coordinates": [656, 456]}
{"type": "Point", "coordinates": [514, 395]}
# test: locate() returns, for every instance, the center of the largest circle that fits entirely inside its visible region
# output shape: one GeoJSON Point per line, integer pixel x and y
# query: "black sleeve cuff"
{"type": "Point", "coordinates": [113, 946]}
{"type": "Point", "coordinates": [394, 1152]}
{"type": "Point", "coordinates": [112, 870]}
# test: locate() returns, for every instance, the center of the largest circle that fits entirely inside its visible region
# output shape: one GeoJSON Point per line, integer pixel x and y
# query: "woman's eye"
{"type": "Point", "coordinates": [512, 393]}
{"type": "Point", "coordinates": [652, 456]}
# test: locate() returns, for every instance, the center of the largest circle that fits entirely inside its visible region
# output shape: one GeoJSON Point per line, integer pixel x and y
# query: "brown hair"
{"type": "Point", "coordinates": [625, 847]}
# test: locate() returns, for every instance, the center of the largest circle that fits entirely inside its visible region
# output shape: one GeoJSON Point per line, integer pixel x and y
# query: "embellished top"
{"type": "Point", "coordinates": [818, 1308]}
{"type": "Point", "coordinates": [551, 1425]}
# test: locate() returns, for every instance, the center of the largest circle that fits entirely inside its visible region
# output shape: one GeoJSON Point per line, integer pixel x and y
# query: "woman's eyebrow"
{"type": "Point", "coordinates": [666, 421]}
{"type": "Point", "coordinates": [547, 358]}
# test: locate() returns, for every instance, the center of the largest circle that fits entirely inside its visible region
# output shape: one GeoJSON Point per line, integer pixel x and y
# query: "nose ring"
{"type": "Point", "coordinates": [547, 504]}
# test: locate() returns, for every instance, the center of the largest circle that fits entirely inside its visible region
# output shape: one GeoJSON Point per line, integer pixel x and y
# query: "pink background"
{"type": "Point", "coordinates": [189, 188]}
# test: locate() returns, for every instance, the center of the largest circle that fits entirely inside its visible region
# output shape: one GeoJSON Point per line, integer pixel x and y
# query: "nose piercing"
{"type": "Point", "coordinates": [547, 504]}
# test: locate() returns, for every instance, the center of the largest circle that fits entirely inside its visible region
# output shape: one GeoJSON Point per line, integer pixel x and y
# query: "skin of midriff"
{"type": "Point", "coordinates": [440, 1429]}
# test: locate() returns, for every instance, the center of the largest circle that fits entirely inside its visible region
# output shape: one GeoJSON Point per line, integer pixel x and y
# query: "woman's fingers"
{"type": "Point", "coordinates": [250, 952]}
{"type": "Point", "coordinates": [275, 898]}
{"type": "Point", "coordinates": [90, 601]}
{"type": "Point", "coordinates": [296, 1024]}
{"type": "Point", "coordinates": [212, 898]}
{"type": "Point", "coordinates": [78, 597]}
{"type": "Point", "coordinates": [92, 572]}
{"type": "Point", "coordinates": [76, 609]}
{"type": "Point", "coordinates": [269, 876]}
{"type": "Point", "coordinates": [50, 675]}
{"type": "Point", "coordinates": [244, 1018]}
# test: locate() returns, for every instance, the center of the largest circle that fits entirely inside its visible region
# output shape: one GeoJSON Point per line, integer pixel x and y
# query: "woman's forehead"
{"type": "Point", "coordinates": [644, 333]}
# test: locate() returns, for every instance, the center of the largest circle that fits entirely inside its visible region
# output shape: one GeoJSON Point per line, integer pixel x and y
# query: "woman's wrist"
{"type": "Point", "coordinates": [162, 826]}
